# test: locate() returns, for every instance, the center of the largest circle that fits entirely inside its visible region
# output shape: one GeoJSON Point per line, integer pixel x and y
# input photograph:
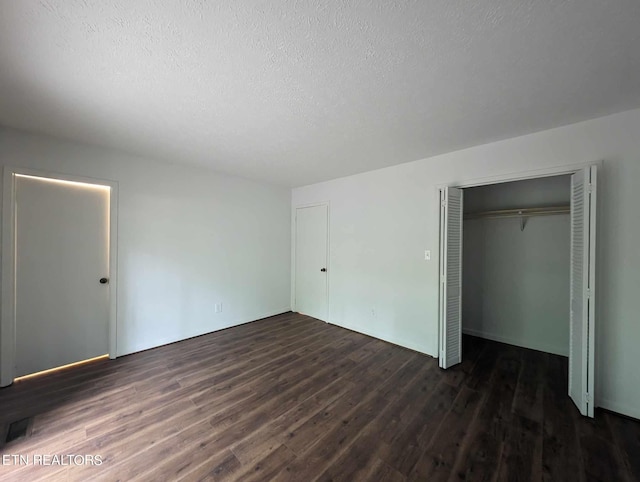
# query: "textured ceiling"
{"type": "Point", "coordinates": [295, 92]}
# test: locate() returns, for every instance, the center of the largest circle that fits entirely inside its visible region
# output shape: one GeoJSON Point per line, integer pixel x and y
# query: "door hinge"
{"type": "Point", "coordinates": [590, 187]}
{"type": "Point", "coordinates": [444, 203]}
{"type": "Point", "coordinates": [588, 398]}
{"type": "Point", "coordinates": [588, 294]}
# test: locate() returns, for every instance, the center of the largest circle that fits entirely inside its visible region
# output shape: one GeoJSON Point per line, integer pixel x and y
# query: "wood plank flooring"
{"type": "Point", "coordinates": [293, 398]}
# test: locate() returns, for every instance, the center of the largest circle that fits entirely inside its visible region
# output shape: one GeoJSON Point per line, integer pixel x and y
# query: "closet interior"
{"type": "Point", "coordinates": [516, 263]}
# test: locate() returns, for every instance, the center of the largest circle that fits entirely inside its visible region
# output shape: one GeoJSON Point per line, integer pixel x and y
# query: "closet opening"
{"type": "Point", "coordinates": [517, 266]}
{"type": "Point", "coordinates": [515, 259]}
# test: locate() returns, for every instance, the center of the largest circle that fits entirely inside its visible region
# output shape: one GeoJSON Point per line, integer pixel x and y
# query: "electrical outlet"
{"type": "Point", "coordinates": [218, 307]}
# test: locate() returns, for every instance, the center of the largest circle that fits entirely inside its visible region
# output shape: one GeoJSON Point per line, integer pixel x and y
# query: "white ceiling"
{"type": "Point", "coordinates": [295, 92]}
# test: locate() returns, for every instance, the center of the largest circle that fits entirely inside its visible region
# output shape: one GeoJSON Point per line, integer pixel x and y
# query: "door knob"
{"type": "Point", "coordinates": [104, 281]}
{"type": "Point", "coordinates": [324, 270]}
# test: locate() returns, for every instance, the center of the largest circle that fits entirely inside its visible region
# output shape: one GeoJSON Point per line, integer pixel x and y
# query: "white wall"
{"type": "Point", "coordinates": [188, 238]}
{"type": "Point", "coordinates": [515, 285]}
{"type": "Point", "coordinates": [382, 221]}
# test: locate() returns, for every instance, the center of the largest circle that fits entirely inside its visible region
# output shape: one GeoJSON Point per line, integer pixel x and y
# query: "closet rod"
{"type": "Point", "coordinates": [519, 213]}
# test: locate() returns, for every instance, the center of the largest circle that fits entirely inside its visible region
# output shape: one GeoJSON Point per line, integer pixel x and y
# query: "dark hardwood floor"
{"type": "Point", "coordinates": [293, 398]}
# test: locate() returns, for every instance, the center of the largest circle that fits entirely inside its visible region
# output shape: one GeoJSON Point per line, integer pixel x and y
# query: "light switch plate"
{"type": "Point", "coordinates": [427, 255]}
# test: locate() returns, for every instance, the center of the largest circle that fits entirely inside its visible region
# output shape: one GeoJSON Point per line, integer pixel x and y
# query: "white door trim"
{"type": "Point", "coordinates": [566, 169]}
{"type": "Point", "coordinates": [8, 315]}
{"type": "Point", "coordinates": [294, 228]}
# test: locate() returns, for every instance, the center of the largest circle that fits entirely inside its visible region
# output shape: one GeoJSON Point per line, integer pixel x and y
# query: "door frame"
{"type": "Point", "coordinates": [8, 267]}
{"type": "Point", "coordinates": [568, 169]}
{"type": "Point", "coordinates": [294, 252]}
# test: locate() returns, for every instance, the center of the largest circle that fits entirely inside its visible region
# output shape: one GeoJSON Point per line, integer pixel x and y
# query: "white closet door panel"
{"type": "Point", "coordinates": [451, 277]}
{"type": "Point", "coordinates": [582, 314]}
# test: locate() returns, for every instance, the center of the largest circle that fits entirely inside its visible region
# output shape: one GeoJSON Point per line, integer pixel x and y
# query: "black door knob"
{"type": "Point", "coordinates": [104, 281]}
{"type": "Point", "coordinates": [324, 270]}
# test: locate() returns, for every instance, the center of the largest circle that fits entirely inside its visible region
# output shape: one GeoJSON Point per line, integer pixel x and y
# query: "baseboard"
{"type": "Point", "coordinates": [231, 324]}
{"type": "Point", "coordinates": [621, 408]}
{"type": "Point", "coordinates": [505, 339]}
{"type": "Point", "coordinates": [404, 344]}
{"type": "Point", "coordinates": [268, 314]}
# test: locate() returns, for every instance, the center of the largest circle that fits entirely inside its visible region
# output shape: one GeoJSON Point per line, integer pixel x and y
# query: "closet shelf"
{"type": "Point", "coordinates": [522, 213]}
{"type": "Point", "coordinates": [519, 213]}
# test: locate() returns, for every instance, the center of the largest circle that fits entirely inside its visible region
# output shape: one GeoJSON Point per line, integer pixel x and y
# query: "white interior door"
{"type": "Point", "coordinates": [311, 261]}
{"type": "Point", "coordinates": [62, 252]}
{"type": "Point", "coordinates": [450, 276]}
{"type": "Point", "coordinates": [582, 314]}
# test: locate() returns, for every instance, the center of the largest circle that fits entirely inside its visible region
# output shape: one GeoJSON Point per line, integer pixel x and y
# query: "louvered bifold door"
{"type": "Point", "coordinates": [582, 307]}
{"type": "Point", "coordinates": [450, 277]}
